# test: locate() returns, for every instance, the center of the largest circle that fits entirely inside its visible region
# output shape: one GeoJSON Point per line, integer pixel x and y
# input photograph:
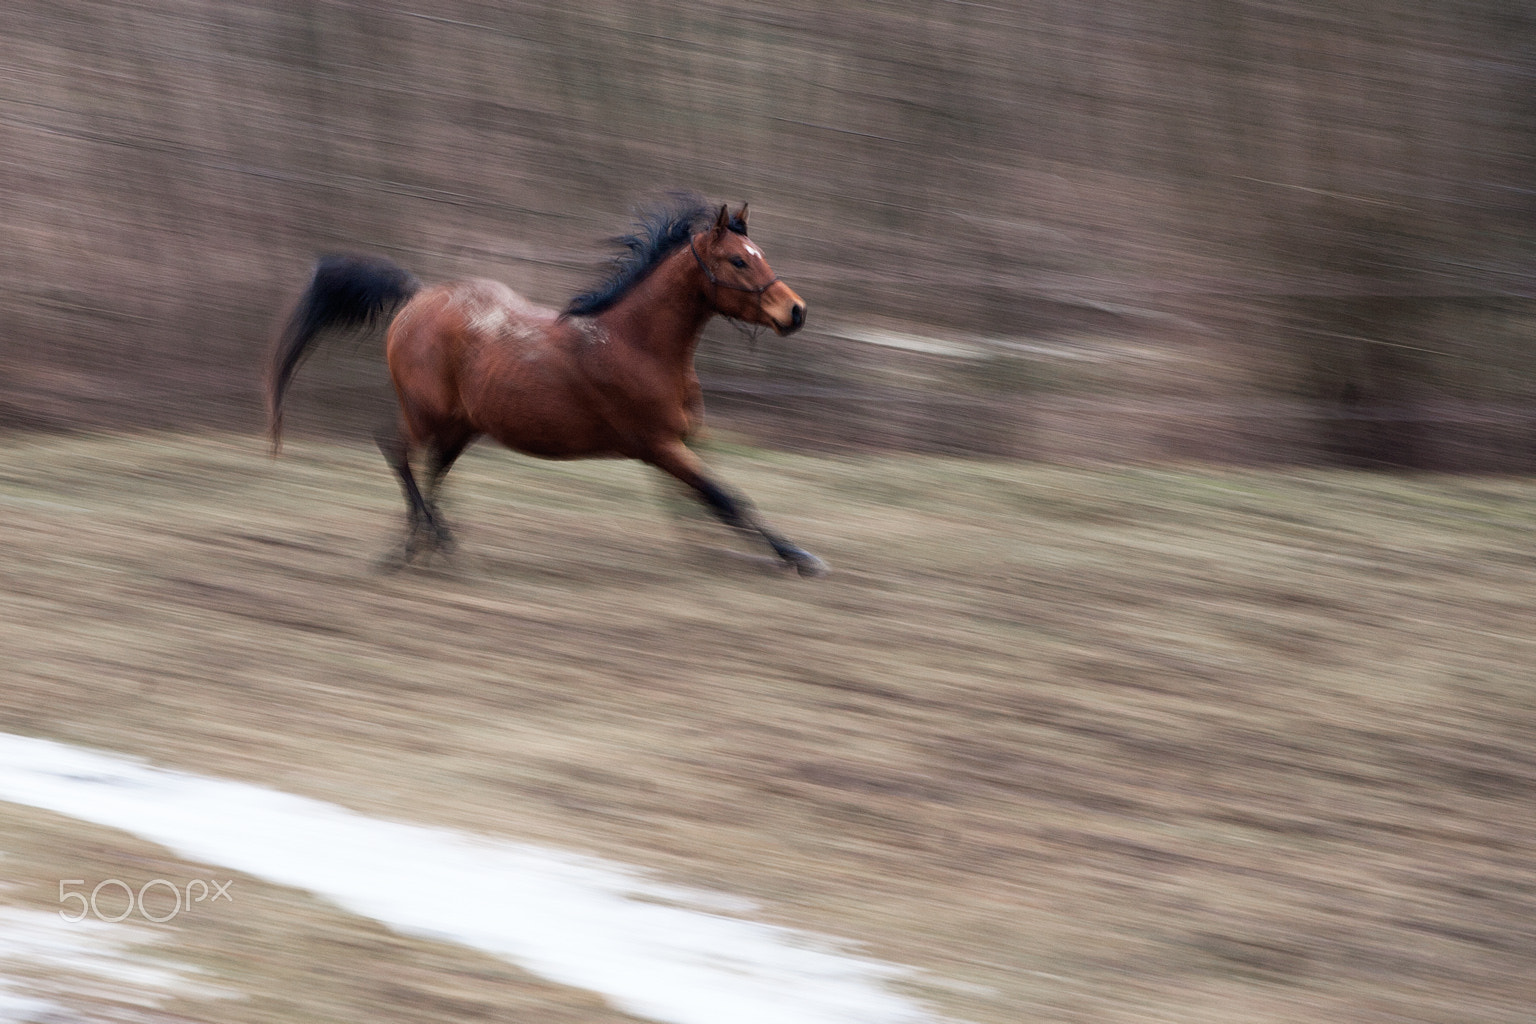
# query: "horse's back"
{"type": "Point", "coordinates": [476, 311]}
{"type": "Point", "coordinates": [436, 338]}
{"type": "Point", "coordinates": [477, 356]}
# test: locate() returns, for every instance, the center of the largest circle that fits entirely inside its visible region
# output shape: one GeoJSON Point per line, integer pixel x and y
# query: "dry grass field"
{"type": "Point", "coordinates": [1079, 744]}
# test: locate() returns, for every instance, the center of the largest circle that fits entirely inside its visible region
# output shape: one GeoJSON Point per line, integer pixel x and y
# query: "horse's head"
{"type": "Point", "coordinates": [740, 282]}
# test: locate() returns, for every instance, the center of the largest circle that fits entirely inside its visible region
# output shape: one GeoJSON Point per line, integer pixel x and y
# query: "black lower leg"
{"type": "Point", "coordinates": [397, 454]}
{"type": "Point", "coordinates": [440, 460]}
{"type": "Point", "coordinates": [738, 512]}
{"type": "Point", "coordinates": [729, 509]}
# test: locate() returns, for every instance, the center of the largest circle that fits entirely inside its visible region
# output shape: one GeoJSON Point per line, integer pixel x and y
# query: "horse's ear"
{"type": "Point", "coordinates": [741, 216]}
{"type": "Point", "coordinates": [723, 221]}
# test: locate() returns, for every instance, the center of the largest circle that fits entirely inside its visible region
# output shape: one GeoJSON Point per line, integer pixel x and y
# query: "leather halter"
{"type": "Point", "coordinates": [750, 333]}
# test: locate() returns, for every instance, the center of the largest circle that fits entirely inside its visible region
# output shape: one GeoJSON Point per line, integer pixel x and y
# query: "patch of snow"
{"type": "Point", "coordinates": [657, 951]}
{"type": "Point", "coordinates": [47, 961]}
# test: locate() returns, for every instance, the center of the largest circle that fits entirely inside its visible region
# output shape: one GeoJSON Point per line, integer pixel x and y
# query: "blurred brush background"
{"type": "Point", "coordinates": [1257, 232]}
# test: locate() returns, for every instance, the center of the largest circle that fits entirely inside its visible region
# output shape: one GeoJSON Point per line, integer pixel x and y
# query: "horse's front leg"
{"type": "Point", "coordinates": [678, 461]}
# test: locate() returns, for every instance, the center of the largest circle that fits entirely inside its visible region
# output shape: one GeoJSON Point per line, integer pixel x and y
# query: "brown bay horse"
{"type": "Point", "coordinates": [610, 375]}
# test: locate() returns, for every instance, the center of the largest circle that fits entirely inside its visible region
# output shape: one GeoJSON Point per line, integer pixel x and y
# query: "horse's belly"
{"type": "Point", "coordinates": [550, 437]}
{"type": "Point", "coordinates": [535, 408]}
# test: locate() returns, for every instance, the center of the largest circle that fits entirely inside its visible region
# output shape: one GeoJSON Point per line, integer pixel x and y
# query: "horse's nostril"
{"type": "Point", "coordinates": [797, 317]}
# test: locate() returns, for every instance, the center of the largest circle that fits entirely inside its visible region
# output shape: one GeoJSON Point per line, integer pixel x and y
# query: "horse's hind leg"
{"type": "Point", "coordinates": [440, 459]}
{"type": "Point", "coordinates": [420, 518]}
{"type": "Point", "coordinates": [733, 510]}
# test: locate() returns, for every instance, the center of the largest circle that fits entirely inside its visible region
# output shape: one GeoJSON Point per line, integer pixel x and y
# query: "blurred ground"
{"type": "Point", "coordinates": [1087, 745]}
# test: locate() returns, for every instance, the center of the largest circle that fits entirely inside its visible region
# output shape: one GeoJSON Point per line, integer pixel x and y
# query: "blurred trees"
{"type": "Point", "coordinates": [1323, 214]}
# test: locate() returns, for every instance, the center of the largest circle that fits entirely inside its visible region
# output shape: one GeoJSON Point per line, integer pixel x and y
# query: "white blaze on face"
{"type": "Point", "coordinates": [753, 250]}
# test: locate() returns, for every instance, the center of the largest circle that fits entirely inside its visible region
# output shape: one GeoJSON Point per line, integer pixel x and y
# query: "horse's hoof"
{"type": "Point", "coordinates": [402, 556]}
{"type": "Point", "coordinates": [438, 536]}
{"type": "Point", "coordinates": [391, 561]}
{"type": "Point", "coordinates": [808, 565]}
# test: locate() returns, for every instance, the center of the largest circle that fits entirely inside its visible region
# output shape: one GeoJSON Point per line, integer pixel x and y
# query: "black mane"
{"type": "Point", "coordinates": [659, 231]}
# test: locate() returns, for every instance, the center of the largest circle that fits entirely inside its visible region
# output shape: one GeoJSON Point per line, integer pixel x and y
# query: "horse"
{"type": "Point", "coordinates": [610, 375]}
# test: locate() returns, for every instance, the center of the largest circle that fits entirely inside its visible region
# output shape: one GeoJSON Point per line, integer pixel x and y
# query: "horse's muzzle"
{"type": "Point", "coordinates": [782, 309]}
{"type": "Point", "coordinates": [797, 317]}
{"type": "Point", "coordinates": [796, 321]}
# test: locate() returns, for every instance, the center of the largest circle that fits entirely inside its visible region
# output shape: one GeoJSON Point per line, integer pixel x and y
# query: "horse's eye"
{"type": "Point", "coordinates": [738, 263]}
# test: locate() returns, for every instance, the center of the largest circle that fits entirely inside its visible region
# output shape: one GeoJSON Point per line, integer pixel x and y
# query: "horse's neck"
{"type": "Point", "coordinates": [665, 314]}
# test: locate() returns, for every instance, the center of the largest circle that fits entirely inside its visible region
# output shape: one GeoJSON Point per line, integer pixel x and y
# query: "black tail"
{"type": "Point", "coordinates": [345, 292]}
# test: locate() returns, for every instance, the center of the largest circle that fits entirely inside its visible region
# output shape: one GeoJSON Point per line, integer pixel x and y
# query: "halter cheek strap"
{"type": "Point", "coordinates": [717, 284]}
{"type": "Point", "coordinates": [710, 275]}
